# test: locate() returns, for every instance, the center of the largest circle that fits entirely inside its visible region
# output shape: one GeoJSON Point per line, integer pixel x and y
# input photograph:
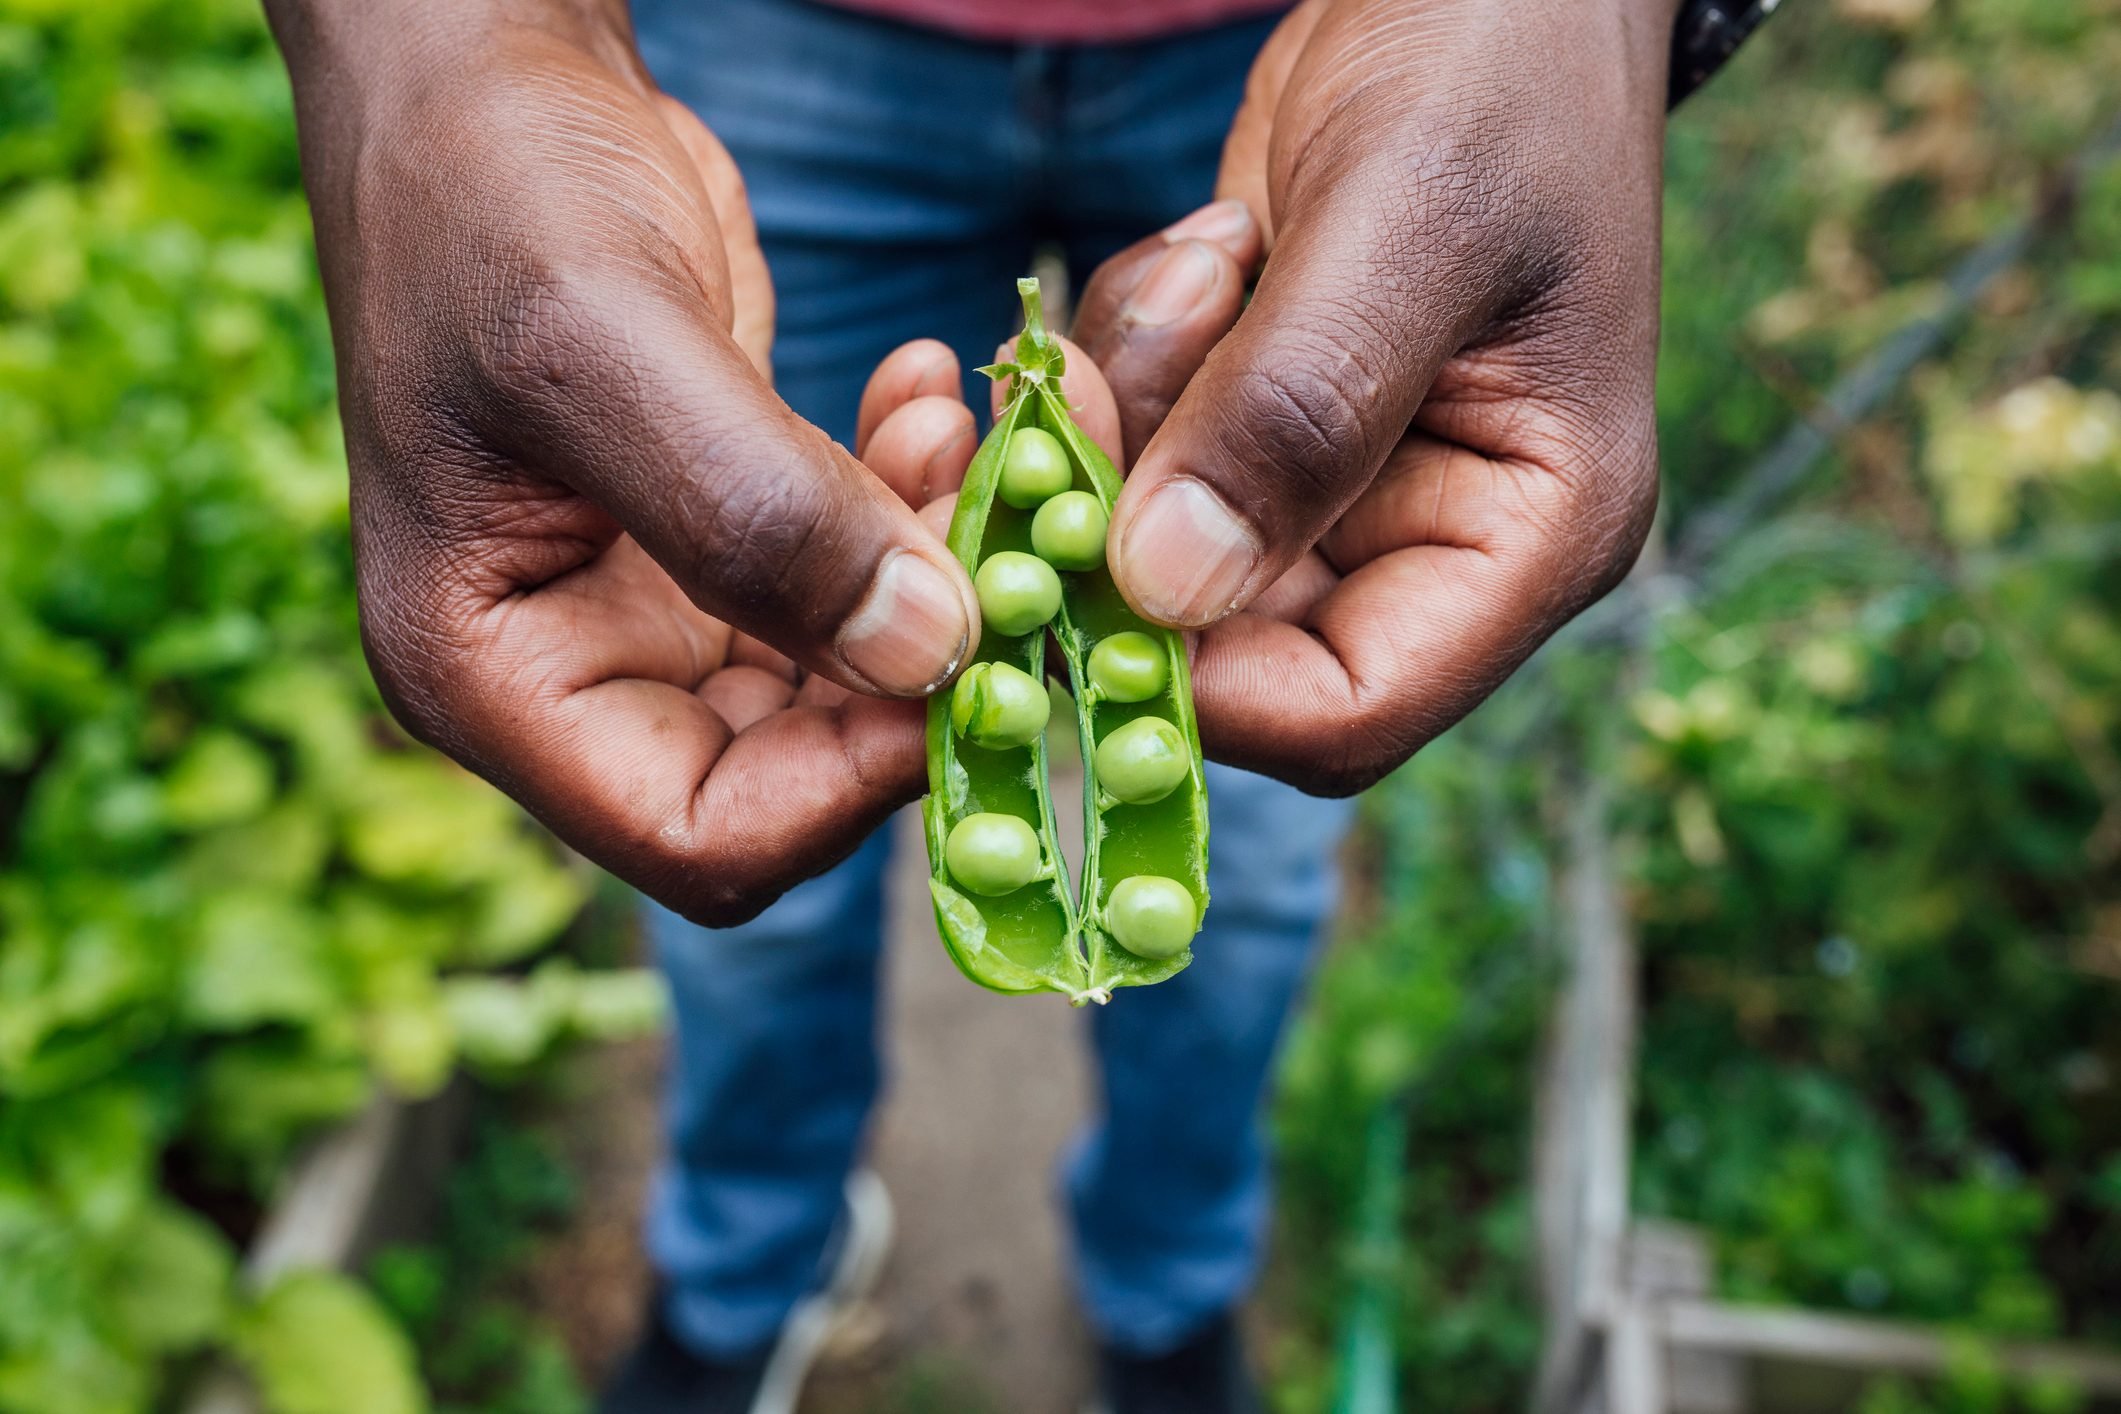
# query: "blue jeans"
{"type": "Point", "coordinates": [901, 180]}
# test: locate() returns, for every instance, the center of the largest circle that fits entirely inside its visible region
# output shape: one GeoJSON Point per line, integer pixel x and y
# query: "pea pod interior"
{"type": "Point", "coordinates": [1045, 935]}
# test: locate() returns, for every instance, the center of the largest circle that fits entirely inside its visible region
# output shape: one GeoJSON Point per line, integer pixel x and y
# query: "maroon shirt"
{"type": "Point", "coordinates": [1063, 21]}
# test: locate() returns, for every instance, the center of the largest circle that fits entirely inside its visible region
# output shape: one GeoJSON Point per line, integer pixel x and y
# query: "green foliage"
{"type": "Point", "coordinates": [1973, 1383]}
{"type": "Point", "coordinates": [1867, 781]}
{"type": "Point", "coordinates": [232, 899]}
{"type": "Point", "coordinates": [318, 1343]}
{"type": "Point", "coordinates": [1438, 999]}
{"type": "Point", "coordinates": [483, 1350]}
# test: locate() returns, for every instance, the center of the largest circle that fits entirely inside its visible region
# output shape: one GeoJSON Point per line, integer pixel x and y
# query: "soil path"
{"type": "Point", "coordinates": [974, 1315]}
{"type": "Point", "coordinates": [984, 1093]}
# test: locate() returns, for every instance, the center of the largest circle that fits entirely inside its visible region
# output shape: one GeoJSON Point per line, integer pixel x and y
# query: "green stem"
{"type": "Point", "coordinates": [1038, 353]}
{"type": "Point", "coordinates": [1034, 311]}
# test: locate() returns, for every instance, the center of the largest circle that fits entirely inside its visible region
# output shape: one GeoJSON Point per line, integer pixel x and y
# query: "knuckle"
{"type": "Point", "coordinates": [724, 903]}
{"type": "Point", "coordinates": [408, 674]}
{"type": "Point", "coordinates": [1303, 413]}
{"type": "Point", "coordinates": [1613, 493]}
{"type": "Point", "coordinates": [766, 542]}
{"type": "Point", "coordinates": [1340, 779]}
{"type": "Point", "coordinates": [541, 329]}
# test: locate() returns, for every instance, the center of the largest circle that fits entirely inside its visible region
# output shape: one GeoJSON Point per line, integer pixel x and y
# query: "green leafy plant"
{"type": "Point", "coordinates": [482, 1347]}
{"type": "Point", "coordinates": [1867, 795]}
{"type": "Point", "coordinates": [234, 903]}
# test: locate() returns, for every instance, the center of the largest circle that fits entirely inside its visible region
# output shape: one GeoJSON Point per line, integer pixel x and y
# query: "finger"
{"type": "Point", "coordinates": [1243, 176]}
{"type": "Point", "coordinates": [1292, 413]}
{"type": "Point", "coordinates": [1433, 492]}
{"type": "Point", "coordinates": [922, 449]}
{"type": "Point", "coordinates": [751, 287]}
{"type": "Point", "coordinates": [817, 692]}
{"type": "Point", "coordinates": [936, 515]}
{"type": "Point", "coordinates": [920, 368]}
{"type": "Point", "coordinates": [748, 651]}
{"type": "Point", "coordinates": [1334, 701]}
{"type": "Point", "coordinates": [620, 384]}
{"type": "Point", "coordinates": [1088, 395]}
{"type": "Point", "coordinates": [1292, 598]}
{"type": "Point", "coordinates": [743, 697]}
{"type": "Point", "coordinates": [1496, 555]}
{"type": "Point", "coordinates": [580, 701]}
{"type": "Point", "coordinates": [1150, 314]}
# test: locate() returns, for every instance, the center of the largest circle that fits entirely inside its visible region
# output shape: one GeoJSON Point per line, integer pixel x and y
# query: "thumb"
{"type": "Point", "coordinates": [762, 521]}
{"type": "Point", "coordinates": [1294, 411]}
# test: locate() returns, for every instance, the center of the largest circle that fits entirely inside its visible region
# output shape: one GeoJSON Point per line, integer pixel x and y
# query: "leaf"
{"type": "Point", "coordinates": [417, 821]}
{"type": "Point", "coordinates": [411, 1042]}
{"type": "Point", "coordinates": [501, 1024]}
{"type": "Point", "coordinates": [614, 1006]}
{"type": "Point", "coordinates": [284, 849]}
{"type": "Point", "coordinates": [258, 1096]}
{"type": "Point", "coordinates": [256, 958]}
{"type": "Point", "coordinates": [92, 1150]}
{"type": "Point", "coordinates": [77, 1374]}
{"type": "Point", "coordinates": [221, 778]}
{"type": "Point", "coordinates": [167, 1288]}
{"type": "Point", "coordinates": [524, 907]}
{"type": "Point", "coordinates": [315, 708]}
{"type": "Point", "coordinates": [317, 1343]}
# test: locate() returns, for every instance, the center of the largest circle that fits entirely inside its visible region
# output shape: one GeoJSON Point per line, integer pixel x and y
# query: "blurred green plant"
{"type": "Point", "coordinates": [234, 903]}
{"type": "Point", "coordinates": [1869, 776]}
{"type": "Point", "coordinates": [483, 1348]}
{"type": "Point", "coordinates": [1877, 827]}
{"type": "Point", "coordinates": [1435, 989]}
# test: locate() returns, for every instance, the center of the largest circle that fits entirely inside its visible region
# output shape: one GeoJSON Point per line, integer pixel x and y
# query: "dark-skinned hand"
{"type": "Point", "coordinates": [1429, 441]}
{"type": "Point", "coordinates": [580, 512]}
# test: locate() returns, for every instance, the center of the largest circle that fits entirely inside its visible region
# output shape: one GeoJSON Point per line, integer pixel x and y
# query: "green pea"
{"type": "Point", "coordinates": [1152, 916]}
{"type": "Point", "coordinates": [1034, 469]}
{"type": "Point", "coordinates": [998, 704]}
{"type": "Point", "coordinates": [1143, 761]}
{"type": "Point", "coordinates": [1069, 531]}
{"type": "Point", "coordinates": [992, 854]}
{"type": "Point", "coordinates": [1129, 667]}
{"type": "Point", "coordinates": [1017, 592]}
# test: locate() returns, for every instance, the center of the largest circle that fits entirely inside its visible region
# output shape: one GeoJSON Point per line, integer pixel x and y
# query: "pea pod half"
{"type": "Point", "coordinates": [1003, 906]}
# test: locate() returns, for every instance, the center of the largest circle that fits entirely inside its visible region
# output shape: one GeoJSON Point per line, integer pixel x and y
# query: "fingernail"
{"type": "Point", "coordinates": [1226, 222]}
{"type": "Point", "coordinates": [910, 634]}
{"type": "Point", "coordinates": [1174, 286]}
{"type": "Point", "coordinates": [1186, 554]}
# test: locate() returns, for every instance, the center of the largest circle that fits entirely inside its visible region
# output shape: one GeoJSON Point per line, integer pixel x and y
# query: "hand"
{"type": "Point", "coordinates": [599, 561]}
{"type": "Point", "coordinates": [1429, 441]}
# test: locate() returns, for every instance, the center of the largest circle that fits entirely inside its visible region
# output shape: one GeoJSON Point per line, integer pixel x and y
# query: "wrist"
{"type": "Point", "coordinates": [1622, 48]}
{"type": "Point", "coordinates": [345, 42]}
{"type": "Point", "coordinates": [1646, 30]}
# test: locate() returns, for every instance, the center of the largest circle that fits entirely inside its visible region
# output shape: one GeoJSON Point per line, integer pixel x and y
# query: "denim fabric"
{"type": "Point", "coordinates": [902, 180]}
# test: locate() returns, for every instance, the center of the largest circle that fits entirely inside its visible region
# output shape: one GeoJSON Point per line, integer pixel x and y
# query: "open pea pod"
{"type": "Point", "coordinates": [1002, 899]}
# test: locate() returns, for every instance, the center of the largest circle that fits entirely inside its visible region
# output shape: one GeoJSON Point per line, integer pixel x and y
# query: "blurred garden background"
{"type": "Point", "coordinates": [1862, 743]}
